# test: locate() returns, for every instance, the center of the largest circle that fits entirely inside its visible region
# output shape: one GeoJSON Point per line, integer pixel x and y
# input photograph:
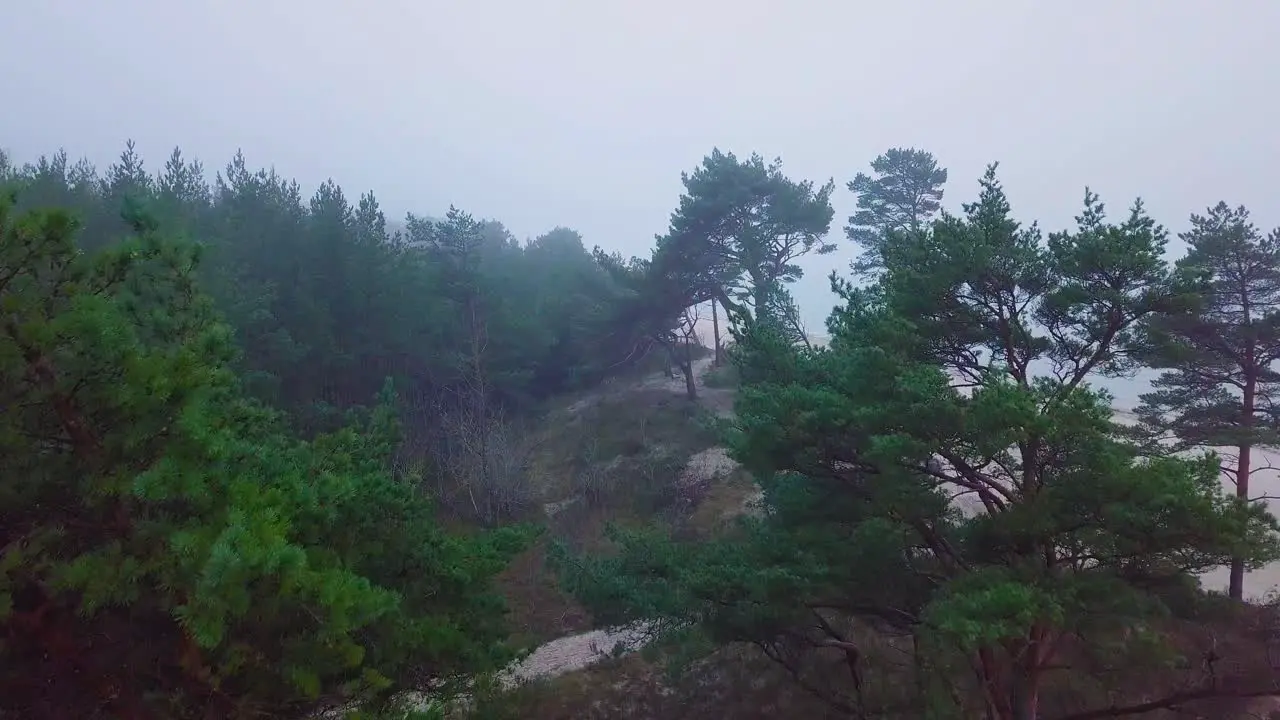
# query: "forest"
{"type": "Point", "coordinates": [260, 450]}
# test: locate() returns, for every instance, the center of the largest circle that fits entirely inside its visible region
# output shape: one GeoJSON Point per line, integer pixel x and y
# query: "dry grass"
{"type": "Point", "coordinates": [629, 444]}
{"type": "Point", "coordinates": [721, 503]}
{"type": "Point", "coordinates": [540, 609]}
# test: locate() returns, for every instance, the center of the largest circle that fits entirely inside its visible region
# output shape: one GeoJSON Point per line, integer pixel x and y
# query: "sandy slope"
{"type": "Point", "coordinates": [575, 652]}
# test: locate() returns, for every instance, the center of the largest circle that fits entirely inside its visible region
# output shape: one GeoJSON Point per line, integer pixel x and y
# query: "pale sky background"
{"type": "Point", "coordinates": [584, 112]}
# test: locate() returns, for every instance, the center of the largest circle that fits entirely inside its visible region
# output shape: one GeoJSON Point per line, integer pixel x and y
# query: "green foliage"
{"type": "Point", "coordinates": [167, 549]}
{"type": "Point", "coordinates": [944, 471]}
{"type": "Point", "coordinates": [651, 308]}
{"type": "Point", "coordinates": [1225, 343]}
{"type": "Point", "coordinates": [904, 196]}
{"type": "Point", "coordinates": [736, 236]}
{"type": "Point", "coordinates": [740, 228]}
{"type": "Point", "coordinates": [326, 301]}
{"type": "Point", "coordinates": [941, 482]}
{"type": "Point", "coordinates": [782, 313]}
{"type": "Point", "coordinates": [1219, 388]}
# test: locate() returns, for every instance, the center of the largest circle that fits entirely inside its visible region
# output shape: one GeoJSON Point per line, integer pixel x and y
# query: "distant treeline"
{"type": "Point", "coordinates": [327, 303]}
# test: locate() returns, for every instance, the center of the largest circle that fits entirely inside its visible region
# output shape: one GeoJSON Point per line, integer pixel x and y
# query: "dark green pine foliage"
{"type": "Point", "coordinates": [1219, 388]}
{"type": "Point", "coordinates": [653, 311]}
{"type": "Point", "coordinates": [326, 301]}
{"type": "Point", "coordinates": [572, 300]}
{"type": "Point", "coordinates": [167, 549]}
{"type": "Point", "coordinates": [645, 308]}
{"type": "Point", "coordinates": [784, 315]}
{"type": "Point", "coordinates": [741, 225]}
{"type": "Point", "coordinates": [953, 525]}
{"type": "Point", "coordinates": [904, 195]}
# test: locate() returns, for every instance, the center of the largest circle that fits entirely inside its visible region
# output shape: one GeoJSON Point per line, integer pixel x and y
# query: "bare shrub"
{"type": "Point", "coordinates": [593, 480]}
{"type": "Point", "coordinates": [644, 482]}
{"type": "Point", "coordinates": [595, 483]}
{"type": "Point", "coordinates": [479, 463]}
{"type": "Point", "coordinates": [654, 480]}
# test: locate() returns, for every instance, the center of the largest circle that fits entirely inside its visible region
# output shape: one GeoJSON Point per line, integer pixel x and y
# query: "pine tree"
{"type": "Point", "coordinates": [326, 301]}
{"type": "Point", "coordinates": [904, 195]}
{"type": "Point", "coordinates": [167, 549]}
{"type": "Point", "coordinates": [740, 228]}
{"type": "Point", "coordinates": [784, 315]}
{"type": "Point", "coordinates": [1219, 388]}
{"type": "Point", "coordinates": [943, 480]}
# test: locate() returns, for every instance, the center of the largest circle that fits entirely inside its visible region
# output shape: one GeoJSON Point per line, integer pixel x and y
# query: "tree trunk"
{"type": "Point", "coordinates": [760, 298]}
{"type": "Point", "coordinates": [480, 407]}
{"type": "Point", "coordinates": [1024, 697]}
{"type": "Point", "coordinates": [690, 387]}
{"type": "Point", "coordinates": [685, 359]}
{"type": "Point", "coordinates": [1010, 678]}
{"type": "Point", "coordinates": [1235, 585]}
{"type": "Point", "coordinates": [715, 330]}
{"type": "Point", "coordinates": [993, 691]}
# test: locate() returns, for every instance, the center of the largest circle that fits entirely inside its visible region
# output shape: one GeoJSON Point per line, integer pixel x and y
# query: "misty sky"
{"type": "Point", "coordinates": [585, 113]}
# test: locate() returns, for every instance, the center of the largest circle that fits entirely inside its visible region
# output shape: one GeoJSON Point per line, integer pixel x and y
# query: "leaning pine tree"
{"type": "Point", "coordinates": [1219, 388]}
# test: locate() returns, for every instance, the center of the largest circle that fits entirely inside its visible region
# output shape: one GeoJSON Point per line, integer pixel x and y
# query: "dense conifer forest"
{"type": "Point", "coordinates": [258, 457]}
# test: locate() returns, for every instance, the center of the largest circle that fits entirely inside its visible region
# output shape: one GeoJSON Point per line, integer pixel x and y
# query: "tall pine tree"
{"type": "Point", "coordinates": [1219, 388]}
{"type": "Point", "coordinates": [904, 195]}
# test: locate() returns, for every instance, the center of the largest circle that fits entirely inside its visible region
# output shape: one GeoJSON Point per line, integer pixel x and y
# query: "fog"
{"type": "Point", "coordinates": [585, 113]}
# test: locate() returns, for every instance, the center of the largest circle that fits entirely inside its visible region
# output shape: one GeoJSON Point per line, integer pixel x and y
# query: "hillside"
{"type": "Point", "coordinates": [614, 673]}
{"type": "Point", "coordinates": [632, 451]}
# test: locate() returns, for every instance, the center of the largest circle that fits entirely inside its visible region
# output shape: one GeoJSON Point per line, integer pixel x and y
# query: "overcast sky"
{"type": "Point", "coordinates": [584, 113]}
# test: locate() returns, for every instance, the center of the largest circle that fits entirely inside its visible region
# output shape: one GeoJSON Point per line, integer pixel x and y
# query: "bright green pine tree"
{"type": "Point", "coordinates": [960, 380]}
{"type": "Point", "coordinates": [166, 549]}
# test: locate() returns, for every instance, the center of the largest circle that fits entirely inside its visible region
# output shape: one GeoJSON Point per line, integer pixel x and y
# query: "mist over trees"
{"type": "Point", "coordinates": [274, 260]}
{"type": "Point", "coordinates": [263, 452]}
{"type": "Point", "coordinates": [169, 340]}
